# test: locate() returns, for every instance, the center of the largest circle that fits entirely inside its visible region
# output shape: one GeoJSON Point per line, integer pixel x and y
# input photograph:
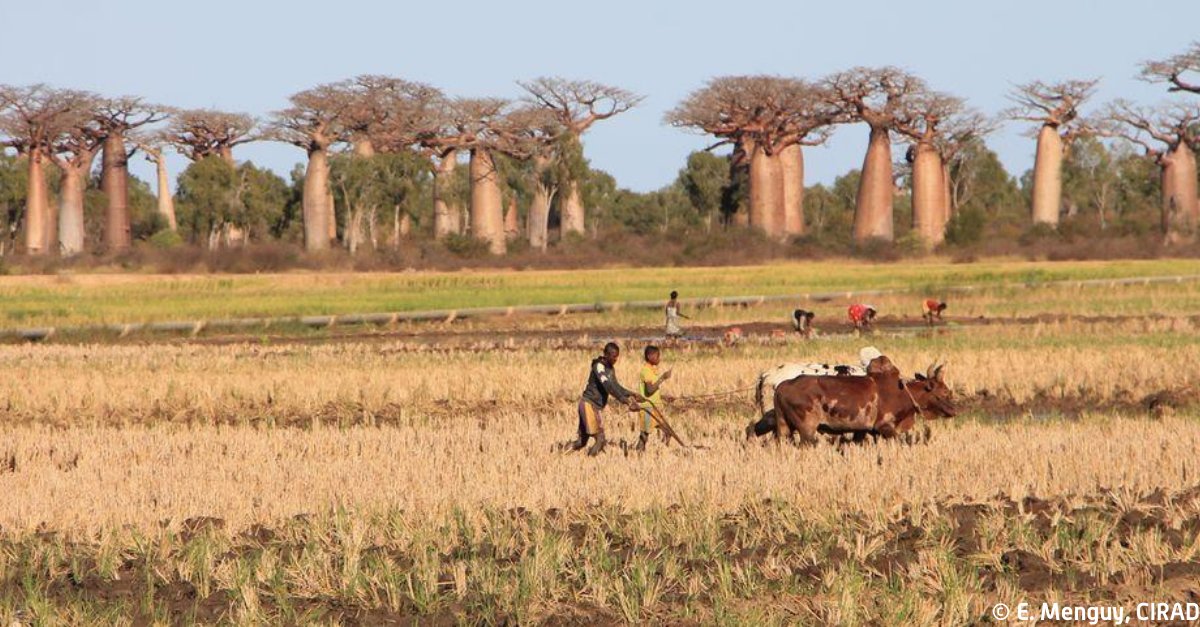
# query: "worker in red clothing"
{"type": "Point", "coordinates": [931, 309]}
{"type": "Point", "coordinates": [861, 315]}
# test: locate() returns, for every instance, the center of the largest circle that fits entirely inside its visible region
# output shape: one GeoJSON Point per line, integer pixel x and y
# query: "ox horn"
{"type": "Point", "coordinates": [931, 372]}
{"type": "Point", "coordinates": [937, 371]}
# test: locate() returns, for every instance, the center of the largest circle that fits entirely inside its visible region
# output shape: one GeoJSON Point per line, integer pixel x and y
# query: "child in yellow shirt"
{"type": "Point", "coordinates": [651, 383]}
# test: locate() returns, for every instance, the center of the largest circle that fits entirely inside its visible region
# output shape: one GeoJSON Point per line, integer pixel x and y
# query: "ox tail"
{"type": "Point", "coordinates": [758, 393]}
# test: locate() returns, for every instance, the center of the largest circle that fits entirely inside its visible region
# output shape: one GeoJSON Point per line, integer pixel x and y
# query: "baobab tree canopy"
{"type": "Point", "coordinates": [199, 133]}
{"type": "Point", "coordinates": [385, 112]}
{"type": "Point", "coordinates": [1181, 72]}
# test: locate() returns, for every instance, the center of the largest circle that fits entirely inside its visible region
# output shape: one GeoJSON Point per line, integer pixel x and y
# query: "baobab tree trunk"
{"type": "Point", "coordinates": [573, 213]}
{"type": "Point", "coordinates": [331, 216]}
{"type": "Point", "coordinates": [873, 206]}
{"type": "Point", "coordinates": [315, 201]}
{"type": "Point", "coordinates": [487, 211]}
{"type": "Point", "coordinates": [791, 161]}
{"type": "Point", "coordinates": [948, 194]}
{"type": "Point", "coordinates": [364, 148]}
{"type": "Point", "coordinates": [538, 220]}
{"type": "Point", "coordinates": [166, 203]}
{"type": "Point", "coordinates": [114, 182]}
{"type": "Point", "coordinates": [1047, 177]}
{"type": "Point", "coordinates": [37, 207]}
{"type": "Point", "coordinates": [512, 219]}
{"type": "Point", "coordinates": [1180, 205]}
{"type": "Point", "coordinates": [70, 211]}
{"type": "Point", "coordinates": [405, 225]}
{"type": "Point", "coordinates": [445, 213]}
{"type": "Point", "coordinates": [928, 196]}
{"type": "Point", "coordinates": [226, 153]}
{"type": "Point", "coordinates": [766, 191]}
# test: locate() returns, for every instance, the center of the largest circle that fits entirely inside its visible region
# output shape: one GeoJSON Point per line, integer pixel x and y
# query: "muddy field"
{"type": "Point", "coordinates": [759, 563]}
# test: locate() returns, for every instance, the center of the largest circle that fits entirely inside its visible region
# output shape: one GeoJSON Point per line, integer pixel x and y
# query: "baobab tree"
{"type": "Point", "coordinates": [1180, 72]}
{"type": "Point", "coordinates": [470, 124]}
{"type": "Point", "coordinates": [314, 123]}
{"type": "Point", "coordinates": [1055, 108]}
{"type": "Point", "coordinates": [153, 147]}
{"type": "Point", "coordinates": [116, 117]}
{"type": "Point", "coordinates": [767, 119]}
{"type": "Point", "coordinates": [200, 133]}
{"type": "Point", "coordinates": [807, 120]}
{"type": "Point", "coordinates": [74, 150]}
{"type": "Point", "coordinates": [577, 105]}
{"type": "Point", "coordinates": [923, 122]}
{"type": "Point", "coordinates": [880, 97]}
{"type": "Point", "coordinates": [389, 115]}
{"type": "Point", "coordinates": [959, 133]}
{"type": "Point", "coordinates": [1169, 134]}
{"type": "Point", "coordinates": [35, 116]}
{"type": "Point", "coordinates": [532, 134]}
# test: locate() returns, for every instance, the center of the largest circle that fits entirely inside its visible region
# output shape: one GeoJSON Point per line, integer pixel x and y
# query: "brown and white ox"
{"type": "Point", "coordinates": [881, 403]}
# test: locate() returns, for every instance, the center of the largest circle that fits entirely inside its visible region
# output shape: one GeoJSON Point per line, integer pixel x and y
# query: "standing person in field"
{"type": "Point", "coordinates": [931, 309]}
{"type": "Point", "coordinates": [673, 314]}
{"type": "Point", "coordinates": [602, 383]}
{"type": "Point", "coordinates": [651, 388]}
{"type": "Point", "coordinates": [861, 315]}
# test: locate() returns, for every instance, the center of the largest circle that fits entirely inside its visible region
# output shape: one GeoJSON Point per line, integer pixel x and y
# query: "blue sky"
{"type": "Point", "coordinates": [249, 55]}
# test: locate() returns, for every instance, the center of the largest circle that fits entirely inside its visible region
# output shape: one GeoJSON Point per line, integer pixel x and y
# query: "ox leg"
{"type": "Point", "coordinates": [808, 428]}
{"type": "Point", "coordinates": [783, 431]}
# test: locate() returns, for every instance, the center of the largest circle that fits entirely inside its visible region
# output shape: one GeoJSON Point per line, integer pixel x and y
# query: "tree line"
{"type": "Point", "coordinates": [385, 158]}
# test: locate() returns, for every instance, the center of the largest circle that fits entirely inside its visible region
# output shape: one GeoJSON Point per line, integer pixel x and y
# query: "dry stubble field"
{"type": "Point", "coordinates": [416, 475]}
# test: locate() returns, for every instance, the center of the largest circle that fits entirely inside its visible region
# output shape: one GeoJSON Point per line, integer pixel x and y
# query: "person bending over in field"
{"type": "Point", "coordinates": [931, 309]}
{"type": "Point", "coordinates": [602, 383]}
{"type": "Point", "coordinates": [802, 322]}
{"type": "Point", "coordinates": [651, 388]}
{"type": "Point", "coordinates": [861, 316]}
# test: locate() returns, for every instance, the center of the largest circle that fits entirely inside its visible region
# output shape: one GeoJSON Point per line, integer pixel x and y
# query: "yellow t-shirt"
{"type": "Point", "coordinates": [648, 376]}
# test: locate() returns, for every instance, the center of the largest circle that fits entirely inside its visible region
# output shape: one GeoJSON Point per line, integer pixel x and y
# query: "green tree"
{"type": "Point", "coordinates": [1089, 182]}
{"type": "Point", "coordinates": [704, 181]}
{"type": "Point", "coordinates": [14, 180]}
{"type": "Point", "coordinates": [377, 190]}
{"type": "Point", "coordinates": [223, 205]}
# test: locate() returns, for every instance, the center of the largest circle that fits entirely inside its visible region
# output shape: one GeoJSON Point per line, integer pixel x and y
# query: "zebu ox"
{"type": "Point", "coordinates": [770, 380]}
{"type": "Point", "coordinates": [879, 403]}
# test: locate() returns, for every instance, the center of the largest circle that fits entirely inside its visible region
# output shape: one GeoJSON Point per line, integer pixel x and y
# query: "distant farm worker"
{"type": "Point", "coordinates": [802, 322]}
{"type": "Point", "coordinates": [861, 315]}
{"type": "Point", "coordinates": [651, 381]}
{"type": "Point", "coordinates": [931, 309]}
{"type": "Point", "coordinates": [602, 383]}
{"type": "Point", "coordinates": [673, 314]}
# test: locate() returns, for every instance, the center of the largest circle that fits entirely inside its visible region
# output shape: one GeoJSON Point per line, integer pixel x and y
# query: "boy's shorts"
{"type": "Point", "coordinates": [590, 420]}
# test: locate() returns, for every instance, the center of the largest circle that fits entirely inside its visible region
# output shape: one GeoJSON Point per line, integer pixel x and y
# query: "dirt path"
{"type": "Point", "coordinates": [470, 336]}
